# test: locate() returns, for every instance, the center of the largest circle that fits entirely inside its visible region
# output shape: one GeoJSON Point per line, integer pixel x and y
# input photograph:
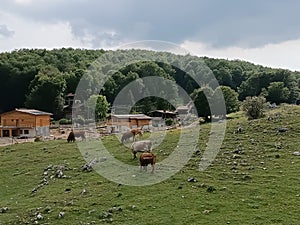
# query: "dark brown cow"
{"type": "Point", "coordinates": [71, 137]}
{"type": "Point", "coordinates": [147, 158]}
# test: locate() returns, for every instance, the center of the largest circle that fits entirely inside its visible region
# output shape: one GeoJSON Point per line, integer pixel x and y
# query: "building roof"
{"type": "Point", "coordinates": [132, 116]}
{"type": "Point", "coordinates": [30, 111]}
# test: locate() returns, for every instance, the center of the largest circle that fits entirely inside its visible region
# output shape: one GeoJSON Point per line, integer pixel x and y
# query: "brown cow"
{"type": "Point", "coordinates": [71, 137]}
{"type": "Point", "coordinates": [132, 133]}
{"type": "Point", "coordinates": [147, 158]}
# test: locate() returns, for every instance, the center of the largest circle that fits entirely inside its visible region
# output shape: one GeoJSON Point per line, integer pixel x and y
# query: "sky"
{"type": "Point", "coordinates": [263, 32]}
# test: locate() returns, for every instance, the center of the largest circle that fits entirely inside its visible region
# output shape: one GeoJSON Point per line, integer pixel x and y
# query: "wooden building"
{"type": "Point", "coordinates": [122, 123]}
{"type": "Point", "coordinates": [25, 122]}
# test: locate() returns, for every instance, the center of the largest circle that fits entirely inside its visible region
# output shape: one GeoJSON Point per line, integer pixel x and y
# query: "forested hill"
{"type": "Point", "coordinates": [39, 78]}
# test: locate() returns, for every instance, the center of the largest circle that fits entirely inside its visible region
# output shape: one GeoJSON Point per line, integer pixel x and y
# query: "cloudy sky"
{"type": "Point", "coordinates": [264, 32]}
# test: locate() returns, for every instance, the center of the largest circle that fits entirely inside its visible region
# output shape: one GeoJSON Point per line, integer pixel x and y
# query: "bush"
{"type": "Point", "coordinates": [64, 121]}
{"type": "Point", "coordinates": [169, 122]}
{"type": "Point", "coordinates": [254, 107]}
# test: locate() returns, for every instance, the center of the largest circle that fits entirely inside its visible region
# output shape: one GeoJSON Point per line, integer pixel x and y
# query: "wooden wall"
{"type": "Point", "coordinates": [19, 119]}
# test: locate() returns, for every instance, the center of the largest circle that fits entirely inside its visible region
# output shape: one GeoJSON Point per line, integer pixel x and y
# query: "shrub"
{"type": "Point", "coordinates": [169, 122]}
{"type": "Point", "coordinates": [64, 121]}
{"type": "Point", "coordinates": [254, 107]}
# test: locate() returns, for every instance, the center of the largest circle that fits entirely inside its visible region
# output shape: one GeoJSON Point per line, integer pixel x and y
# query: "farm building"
{"type": "Point", "coordinates": [25, 122]}
{"type": "Point", "coordinates": [122, 123]}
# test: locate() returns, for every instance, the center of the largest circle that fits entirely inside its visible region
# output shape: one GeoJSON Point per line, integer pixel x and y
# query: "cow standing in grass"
{"type": "Point", "coordinates": [141, 146]}
{"type": "Point", "coordinates": [131, 134]}
{"type": "Point", "coordinates": [147, 158]}
{"type": "Point", "coordinates": [73, 135]}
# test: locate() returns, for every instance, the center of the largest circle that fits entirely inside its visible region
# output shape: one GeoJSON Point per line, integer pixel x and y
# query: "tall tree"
{"type": "Point", "coordinates": [100, 104]}
{"type": "Point", "coordinates": [47, 91]}
{"type": "Point", "coordinates": [201, 98]}
{"type": "Point", "coordinates": [230, 98]}
{"type": "Point", "coordinates": [277, 92]}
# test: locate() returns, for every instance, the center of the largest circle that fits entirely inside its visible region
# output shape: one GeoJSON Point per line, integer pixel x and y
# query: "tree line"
{"type": "Point", "coordinates": [40, 79]}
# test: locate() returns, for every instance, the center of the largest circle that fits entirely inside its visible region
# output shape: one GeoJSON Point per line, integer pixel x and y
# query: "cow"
{"type": "Point", "coordinates": [141, 146]}
{"type": "Point", "coordinates": [71, 137]}
{"type": "Point", "coordinates": [80, 134]}
{"type": "Point", "coordinates": [147, 158]}
{"type": "Point", "coordinates": [132, 133]}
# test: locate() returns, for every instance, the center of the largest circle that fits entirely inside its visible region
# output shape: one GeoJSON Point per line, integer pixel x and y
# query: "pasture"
{"type": "Point", "coordinates": [253, 180]}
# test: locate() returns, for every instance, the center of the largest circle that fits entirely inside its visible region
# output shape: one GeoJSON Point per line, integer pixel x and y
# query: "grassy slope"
{"type": "Point", "coordinates": [258, 186]}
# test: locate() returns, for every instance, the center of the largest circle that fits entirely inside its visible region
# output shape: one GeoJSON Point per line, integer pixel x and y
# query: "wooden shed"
{"type": "Point", "coordinates": [25, 122]}
{"type": "Point", "coordinates": [122, 123]}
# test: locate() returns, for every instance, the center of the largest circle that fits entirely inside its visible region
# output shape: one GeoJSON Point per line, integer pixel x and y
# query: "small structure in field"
{"type": "Point", "coordinates": [125, 122]}
{"type": "Point", "coordinates": [25, 123]}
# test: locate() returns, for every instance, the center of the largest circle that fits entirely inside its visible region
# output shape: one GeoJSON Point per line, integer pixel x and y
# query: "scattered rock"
{"type": "Point", "coordinates": [4, 209]}
{"type": "Point", "coordinates": [282, 129]}
{"type": "Point", "coordinates": [191, 179]}
{"type": "Point", "coordinates": [207, 211]}
{"type": "Point", "coordinates": [61, 215]}
{"type": "Point", "coordinates": [211, 189]}
{"type": "Point", "coordinates": [39, 216]}
{"type": "Point", "coordinates": [88, 166]}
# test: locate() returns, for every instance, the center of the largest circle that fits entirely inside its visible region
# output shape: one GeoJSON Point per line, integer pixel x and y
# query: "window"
{"type": "Point", "coordinates": [21, 131]}
{"type": "Point", "coordinates": [26, 131]}
{"type": "Point", "coordinates": [12, 120]}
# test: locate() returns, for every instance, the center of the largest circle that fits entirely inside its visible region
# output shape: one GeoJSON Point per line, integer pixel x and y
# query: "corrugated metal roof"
{"type": "Point", "coordinates": [33, 112]}
{"type": "Point", "coordinates": [131, 116]}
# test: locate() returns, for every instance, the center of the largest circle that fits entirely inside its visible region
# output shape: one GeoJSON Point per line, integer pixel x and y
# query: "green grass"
{"type": "Point", "coordinates": [259, 185]}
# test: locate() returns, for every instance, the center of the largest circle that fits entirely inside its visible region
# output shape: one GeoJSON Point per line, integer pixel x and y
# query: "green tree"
{"type": "Point", "coordinates": [277, 92]}
{"type": "Point", "coordinates": [230, 98]}
{"type": "Point", "coordinates": [201, 98]}
{"type": "Point", "coordinates": [47, 91]}
{"type": "Point", "coordinates": [100, 104]}
{"type": "Point", "coordinates": [254, 107]}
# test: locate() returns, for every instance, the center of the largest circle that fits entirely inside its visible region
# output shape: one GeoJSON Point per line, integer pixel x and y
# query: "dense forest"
{"type": "Point", "coordinates": [40, 79]}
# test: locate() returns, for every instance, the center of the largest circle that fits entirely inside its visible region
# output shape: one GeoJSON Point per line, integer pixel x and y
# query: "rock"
{"type": "Point", "coordinates": [207, 211]}
{"type": "Point", "coordinates": [4, 209]}
{"type": "Point", "coordinates": [39, 216]}
{"type": "Point", "coordinates": [296, 153]}
{"type": "Point", "coordinates": [282, 129]}
{"type": "Point", "coordinates": [61, 215]}
{"type": "Point", "coordinates": [211, 189]}
{"type": "Point", "coordinates": [191, 179]}
{"type": "Point", "coordinates": [83, 191]}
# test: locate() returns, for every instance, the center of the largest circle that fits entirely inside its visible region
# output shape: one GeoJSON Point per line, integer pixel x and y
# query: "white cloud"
{"type": "Point", "coordinates": [31, 34]}
{"type": "Point", "coordinates": [280, 55]}
{"type": "Point", "coordinates": [23, 2]}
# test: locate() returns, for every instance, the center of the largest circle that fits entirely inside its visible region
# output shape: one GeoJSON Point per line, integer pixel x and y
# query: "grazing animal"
{"type": "Point", "coordinates": [147, 158]}
{"type": "Point", "coordinates": [132, 133]}
{"type": "Point", "coordinates": [71, 137]}
{"type": "Point", "coordinates": [80, 134]}
{"type": "Point", "coordinates": [141, 146]}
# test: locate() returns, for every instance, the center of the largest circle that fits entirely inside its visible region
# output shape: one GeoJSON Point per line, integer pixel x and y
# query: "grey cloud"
{"type": "Point", "coordinates": [216, 22]}
{"type": "Point", "coordinates": [5, 31]}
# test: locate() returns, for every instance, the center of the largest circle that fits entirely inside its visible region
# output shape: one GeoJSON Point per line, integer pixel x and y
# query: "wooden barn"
{"type": "Point", "coordinates": [122, 123]}
{"type": "Point", "coordinates": [25, 123]}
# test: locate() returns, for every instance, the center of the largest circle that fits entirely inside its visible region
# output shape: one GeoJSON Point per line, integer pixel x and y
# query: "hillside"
{"type": "Point", "coordinates": [40, 78]}
{"type": "Point", "coordinates": [254, 180]}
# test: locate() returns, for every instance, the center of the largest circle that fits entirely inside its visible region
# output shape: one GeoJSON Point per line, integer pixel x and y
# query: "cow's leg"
{"type": "Point", "coordinates": [134, 155]}
{"type": "Point", "coordinates": [152, 168]}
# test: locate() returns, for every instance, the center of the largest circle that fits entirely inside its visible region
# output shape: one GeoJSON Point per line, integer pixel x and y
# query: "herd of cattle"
{"type": "Point", "coordinates": [143, 146]}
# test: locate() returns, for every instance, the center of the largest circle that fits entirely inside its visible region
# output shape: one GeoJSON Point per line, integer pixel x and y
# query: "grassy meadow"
{"type": "Point", "coordinates": [254, 179]}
